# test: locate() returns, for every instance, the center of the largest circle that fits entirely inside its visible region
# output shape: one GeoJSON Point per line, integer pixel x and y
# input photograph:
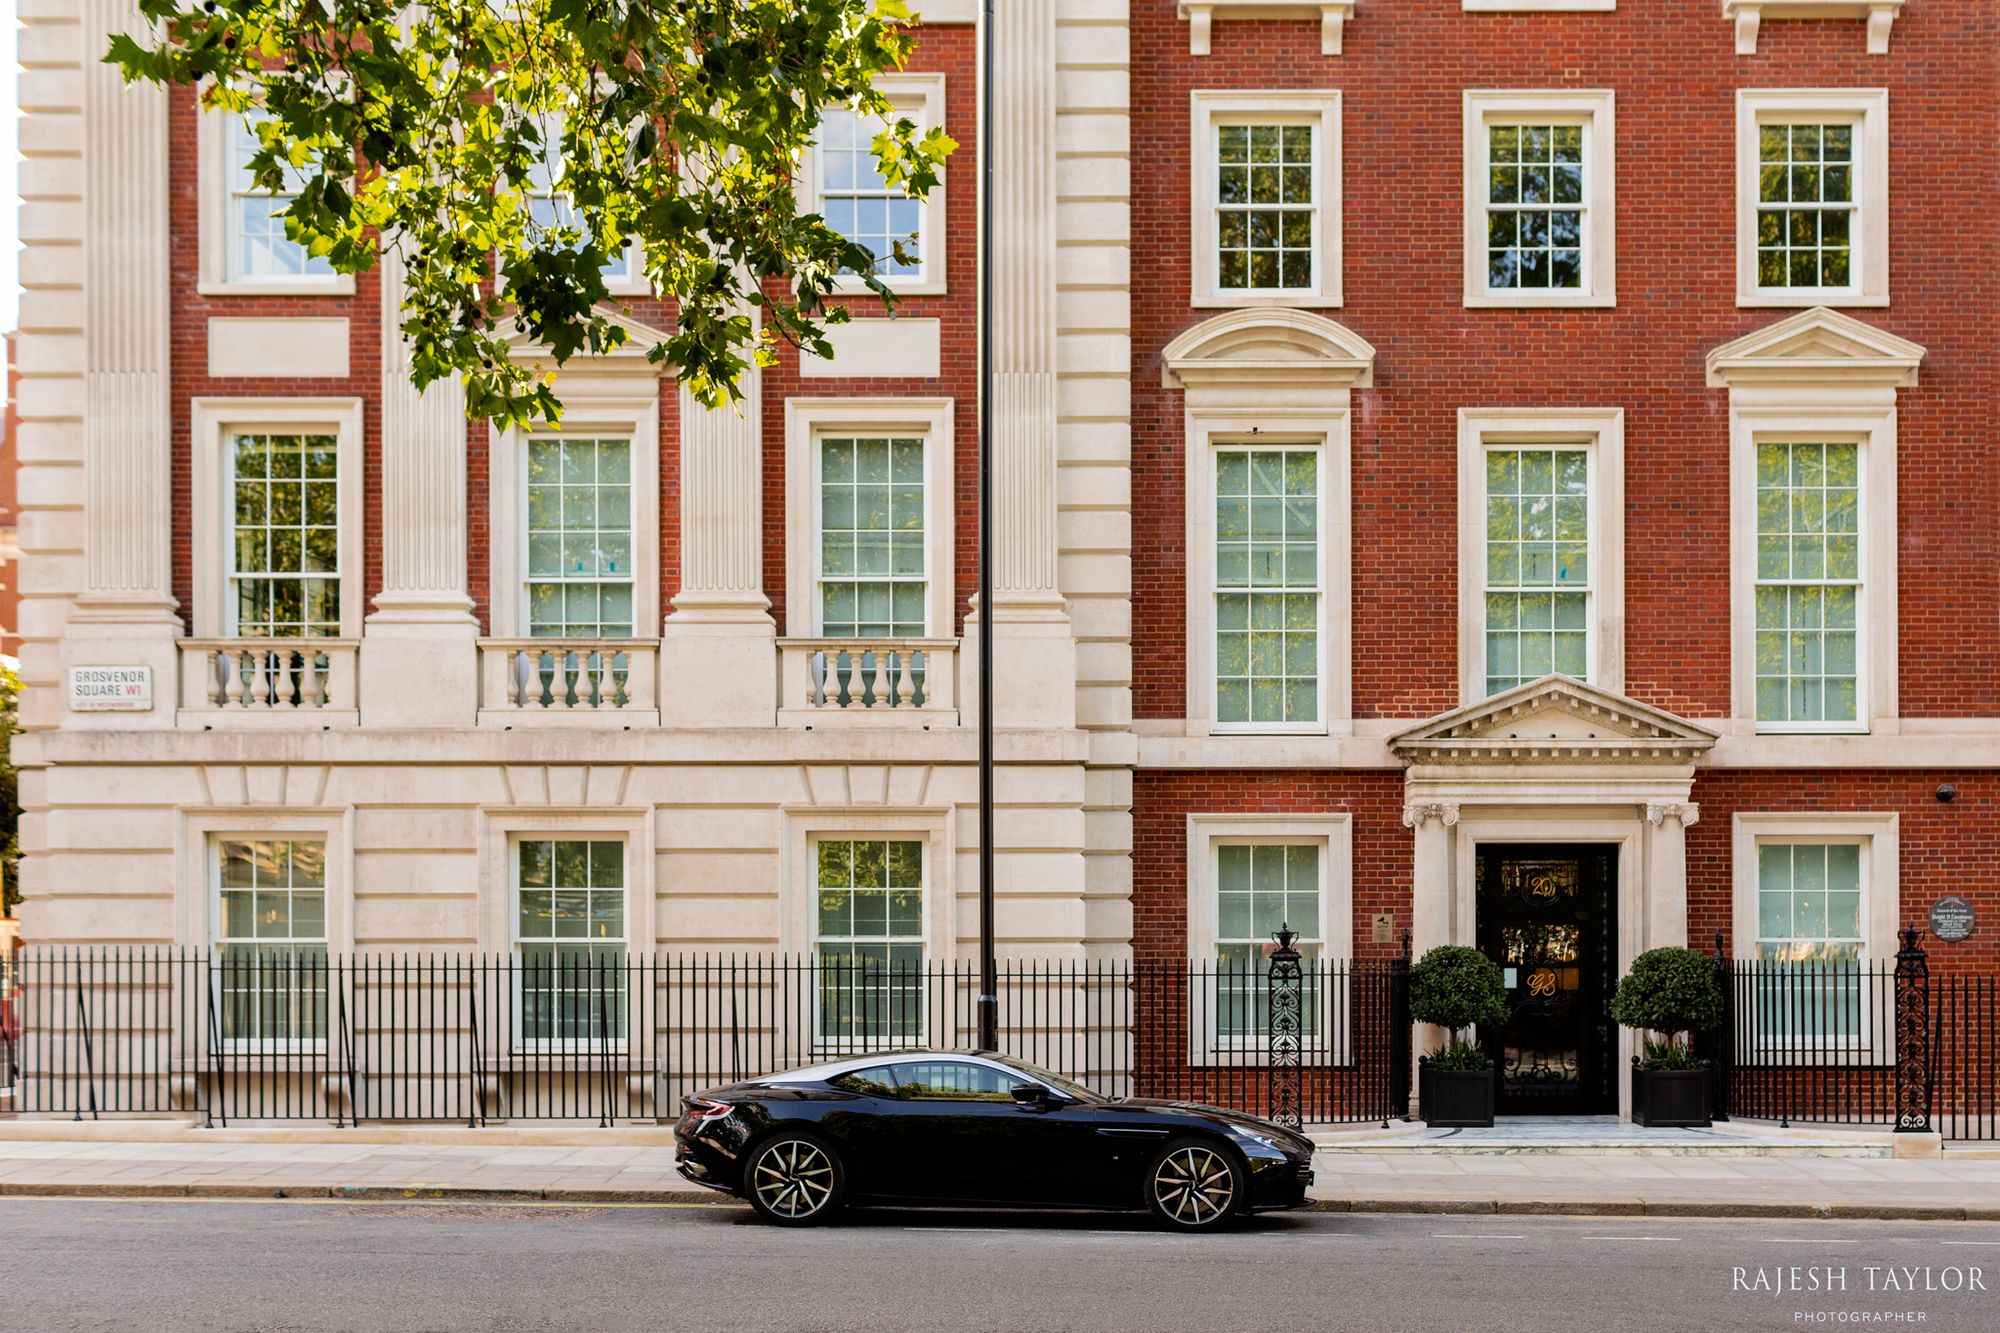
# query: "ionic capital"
{"type": "Point", "coordinates": [1687, 812]}
{"type": "Point", "coordinates": [1445, 812]}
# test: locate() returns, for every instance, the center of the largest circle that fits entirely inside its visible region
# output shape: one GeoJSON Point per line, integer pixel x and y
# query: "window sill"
{"type": "Point", "coordinates": [1564, 301]}
{"type": "Point", "coordinates": [343, 285]}
{"type": "Point", "coordinates": [1810, 729]}
{"type": "Point", "coordinates": [1807, 298]}
{"type": "Point", "coordinates": [1301, 300]}
{"type": "Point", "coordinates": [901, 287]}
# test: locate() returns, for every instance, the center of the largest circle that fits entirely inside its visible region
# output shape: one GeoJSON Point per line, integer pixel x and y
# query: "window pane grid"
{"type": "Point", "coordinates": [869, 938]}
{"type": "Point", "coordinates": [1267, 581]}
{"type": "Point", "coordinates": [1264, 207]}
{"type": "Point", "coordinates": [258, 246]}
{"type": "Point", "coordinates": [1809, 915]}
{"type": "Point", "coordinates": [580, 538]}
{"type": "Point", "coordinates": [1808, 583]}
{"type": "Point", "coordinates": [1538, 568]}
{"type": "Point", "coordinates": [874, 549]}
{"type": "Point", "coordinates": [1258, 889]}
{"type": "Point", "coordinates": [1535, 207]}
{"type": "Point", "coordinates": [1806, 205]}
{"type": "Point", "coordinates": [285, 535]}
{"type": "Point", "coordinates": [570, 936]}
{"type": "Point", "coordinates": [552, 209]}
{"type": "Point", "coordinates": [859, 203]}
{"type": "Point", "coordinates": [271, 940]}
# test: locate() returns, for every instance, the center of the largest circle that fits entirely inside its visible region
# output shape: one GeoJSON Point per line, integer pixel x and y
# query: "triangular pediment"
{"type": "Point", "coordinates": [1815, 346]}
{"type": "Point", "coordinates": [1554, 719]}
{"type": "Point", "coordinates": [633, 353]}
{"type": "Point", "coordinates": [1265, 344]}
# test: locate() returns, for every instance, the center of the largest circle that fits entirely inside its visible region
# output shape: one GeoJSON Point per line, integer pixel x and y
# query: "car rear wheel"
{"type": "Point", "coordinates": [1194, 1186]}
{"type": "Point", "coordinates": [795, 1180]}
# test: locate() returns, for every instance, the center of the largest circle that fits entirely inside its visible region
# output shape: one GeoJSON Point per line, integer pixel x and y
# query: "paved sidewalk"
{"type": "Point", "coordinates": [621, 1169]}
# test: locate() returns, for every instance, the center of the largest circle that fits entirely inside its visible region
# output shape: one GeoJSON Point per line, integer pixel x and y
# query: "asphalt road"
{"type": "Point", "coordinates": [172, 1265]}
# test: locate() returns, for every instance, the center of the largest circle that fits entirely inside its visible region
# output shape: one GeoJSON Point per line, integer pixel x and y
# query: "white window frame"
{"type": "Point", "coordinates": [632, 279]}
{"type": "Point", "coordinates": [1867, 109]}
{"type": "Point", "coordinates": [218, 943]}
{"type": "Point", "coordinates": [1211, 109]}
{"type": "Point", "coordinates": [585, 416]}
{"type": "Point", "coordinates": [212, 423]}
{"type": "Point", "coordinates": [524, 440]}
{"type": "Point", "coordinates": [1287, 428]}
{"type": "Point", "coordinates": [213, 187]}
{"type": "Point", "coordinates": [500, 829]}
{"type": "Point", "coordinates": [1333, 834]}
{"type": "Point", "coordinates": [1873, 428]}
{"type": "Point", "coordinates": [1594, 111]}
{"type": "Point", "coordinates": [1600, 432]}
{"type": "Point", "coordinates": [199, 831]}
{"type": "Point", "coordinates": [806, 421]}
{"type": "Point", "coordinates": [798, 927]}
{"type": "Point", "coordinates": [521, 1042]}
{"type": "Point", "coordinates": [1879, 834]}
{"type": "Point", "coordinates": [920, 97]}
{"type": "Point", "coordinates": [1274, 443]}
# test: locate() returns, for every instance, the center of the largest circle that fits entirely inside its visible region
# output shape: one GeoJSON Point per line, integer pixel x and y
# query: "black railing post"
{"type": "Point", "coordinates": [1719, 1045]}
{"type": "Point", "coordinates": [1913, 1036]}
{"type": "Point", "coordinates": [1285, 984]}
{"type": "Point", "coordinates": [1399, 1035]}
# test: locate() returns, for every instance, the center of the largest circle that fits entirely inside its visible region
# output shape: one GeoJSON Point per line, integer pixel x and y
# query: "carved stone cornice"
{"type": "Point", "coordinates": [1417, 813]}
{"type": "Point", "coordinates": [1659, 812]}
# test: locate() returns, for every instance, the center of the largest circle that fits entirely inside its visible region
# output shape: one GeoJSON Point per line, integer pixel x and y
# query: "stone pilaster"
{"type": "Point", "coordinates": [421, 628]}
{"type": "Point", "coordinates": [125, 614]}
{"type": "Point", "coordinates": [1430, 901]}
{"type": "Point", "coordinates": [1035, 679]}
{"type": "Point", "coordinates": [718, 650]}
{"type": "Point", "coordinates": [1666, 872]}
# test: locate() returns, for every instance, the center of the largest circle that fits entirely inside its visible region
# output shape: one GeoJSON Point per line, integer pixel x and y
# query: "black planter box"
{"type": "Point", "coordinates": [1670, 1098]}
{"type": "Point", "coordinates": [1455, 1098]}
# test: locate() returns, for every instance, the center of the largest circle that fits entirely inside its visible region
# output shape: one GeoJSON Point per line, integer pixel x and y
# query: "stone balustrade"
{"type": "Point", "coordinates": [569, 682]}
{"type": "Point", "coordinates": [882, 682]}
{"type": "Point", "coordinates": [268, 682]}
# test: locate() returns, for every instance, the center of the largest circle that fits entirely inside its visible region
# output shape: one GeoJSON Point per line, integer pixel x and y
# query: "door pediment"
{"type": "Point", "coordinates": [1554, 720]}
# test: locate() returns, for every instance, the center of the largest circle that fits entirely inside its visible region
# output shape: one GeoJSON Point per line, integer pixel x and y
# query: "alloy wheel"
{"type": "Point", "coordinates": [794, 1179]}
{"type": "Point", "coordinates": [1194, 1186]}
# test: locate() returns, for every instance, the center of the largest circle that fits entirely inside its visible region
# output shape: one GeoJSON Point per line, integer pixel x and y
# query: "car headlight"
{"type": "Point", "coordinates": [1254, 1137]}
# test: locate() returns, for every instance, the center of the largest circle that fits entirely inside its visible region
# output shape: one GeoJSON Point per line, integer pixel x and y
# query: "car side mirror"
{"type": "Point", "coordinates": [1031, 1096]}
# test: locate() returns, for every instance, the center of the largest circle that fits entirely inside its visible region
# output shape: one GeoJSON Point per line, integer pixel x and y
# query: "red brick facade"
{"type": "Point", "coordinates": [1675, 74]}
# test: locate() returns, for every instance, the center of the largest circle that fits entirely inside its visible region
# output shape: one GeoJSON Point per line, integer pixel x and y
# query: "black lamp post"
{"type": "Point", "coordinates": [989, 978]}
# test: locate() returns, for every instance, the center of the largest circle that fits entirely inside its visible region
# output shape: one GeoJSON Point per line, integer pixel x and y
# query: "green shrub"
{"type": "Point", "coordinates": [1669, 992]}
{"type": "Point", "coordinates": [1455, 988]}
{"type": "Point", "coordinates": [1459, 1055]}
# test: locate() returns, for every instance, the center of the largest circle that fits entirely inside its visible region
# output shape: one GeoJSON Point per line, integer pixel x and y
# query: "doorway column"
{"type": "Point", "coordinates": [1430, 904]}
{"type": "Point", "coordinates": [1666, 872]}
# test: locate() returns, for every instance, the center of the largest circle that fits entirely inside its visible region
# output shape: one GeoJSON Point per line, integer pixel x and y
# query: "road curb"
{"type": "Point", "coordinates": [1852, 1212]}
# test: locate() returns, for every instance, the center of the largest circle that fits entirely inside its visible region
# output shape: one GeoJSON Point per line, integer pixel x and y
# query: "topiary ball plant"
{"type": "Point", "coordinates": [1669, 992]}
{"type": "Point", "coordinates": [1455, 987]}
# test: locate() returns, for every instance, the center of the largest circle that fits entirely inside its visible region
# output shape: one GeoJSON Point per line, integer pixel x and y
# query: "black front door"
{"type": "Point", "coordinates": [1547, 915]}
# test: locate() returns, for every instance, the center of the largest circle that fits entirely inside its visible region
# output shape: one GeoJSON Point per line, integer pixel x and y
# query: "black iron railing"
{"type": "Point", "coordinates": [1862, 1043]}
{"type": "Point", "coordinates": [290, 1035]}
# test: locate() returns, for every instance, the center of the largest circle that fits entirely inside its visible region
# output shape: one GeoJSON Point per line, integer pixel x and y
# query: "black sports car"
{"type": "Point", "coordinates": [974, 1129]}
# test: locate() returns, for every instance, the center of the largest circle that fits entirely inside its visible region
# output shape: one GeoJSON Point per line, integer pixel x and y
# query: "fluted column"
{"type": "Point", "coordinates": [718, 650]}
{"type": "Point", "coordinates": [419, 662]}
{"type": "Point", "coordinates": [125, 613]}
{"type": "Point", "coordinates": [1035, 666]}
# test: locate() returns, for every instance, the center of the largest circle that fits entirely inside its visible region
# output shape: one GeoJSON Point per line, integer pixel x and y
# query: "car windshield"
{"type": "Point", "coordinates": [1056, 1081]}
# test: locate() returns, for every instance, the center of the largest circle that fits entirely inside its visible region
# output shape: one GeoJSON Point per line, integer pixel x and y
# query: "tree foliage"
{"type": "Point", "coordinates": [1669, 991]}
{"type": "Point", "coordinates": [678, 123]}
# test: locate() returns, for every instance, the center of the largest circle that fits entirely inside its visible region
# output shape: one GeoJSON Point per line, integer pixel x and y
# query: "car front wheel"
{"type": "Point", "coordinates": [1194, 1186]}
{"type": "Point", "coordinates": [794, 1180]}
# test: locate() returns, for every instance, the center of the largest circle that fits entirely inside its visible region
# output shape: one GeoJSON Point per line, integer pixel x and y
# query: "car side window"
{"type": "Point", "coordinates": [954, 1081]}
{"type": "Point", "coordinates": [874, 1081]}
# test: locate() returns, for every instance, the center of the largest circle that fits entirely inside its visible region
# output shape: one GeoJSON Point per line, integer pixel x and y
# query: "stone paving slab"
{"type": "Point", "coordinates": [1348, 1180]}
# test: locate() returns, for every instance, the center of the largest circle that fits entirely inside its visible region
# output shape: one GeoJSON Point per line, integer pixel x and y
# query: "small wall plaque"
{"type": "Point", "coordinates": [1951, 919]}
{"type": "Point", "coordinates": [1384, 925]}
{"type": "Point", "coordinates": [110, 689]}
